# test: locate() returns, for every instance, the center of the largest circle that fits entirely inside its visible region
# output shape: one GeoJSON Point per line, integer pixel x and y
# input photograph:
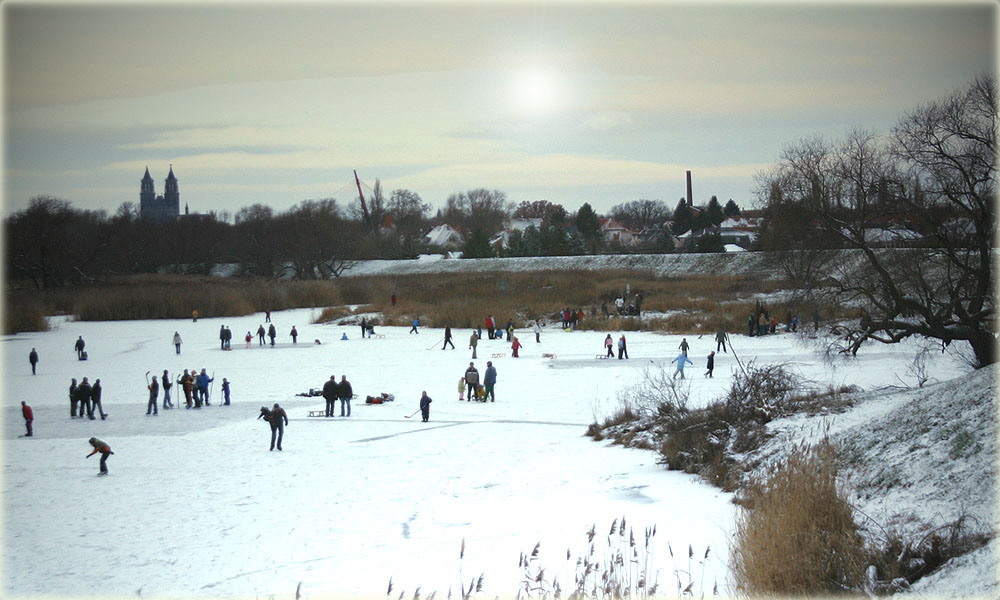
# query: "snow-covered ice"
{"type": "Point", "coordinates": [196, 504]}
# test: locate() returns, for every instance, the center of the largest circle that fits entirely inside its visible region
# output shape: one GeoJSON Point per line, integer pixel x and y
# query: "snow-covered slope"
{"type": "Point", "coordinates": [915, 460]}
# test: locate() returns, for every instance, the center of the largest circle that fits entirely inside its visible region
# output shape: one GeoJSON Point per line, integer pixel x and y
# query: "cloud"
{"type": "Point", "coordinates": [606, 120]}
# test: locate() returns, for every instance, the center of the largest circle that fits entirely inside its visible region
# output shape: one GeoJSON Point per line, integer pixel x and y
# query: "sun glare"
{"type": "Point", "coordinates": [535, 90]}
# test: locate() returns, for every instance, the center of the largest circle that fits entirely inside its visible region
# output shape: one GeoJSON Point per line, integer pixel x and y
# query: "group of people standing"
{"type": "Point", "coordinates": [609, 345]}
{"type": "Point", "coordinates": [470, 381]}
{"type": "Point", "coordinates": [86, 398]}
{"type": "Point", "coordinates": [333, 391]}
{"type": "Point", "coordinates": [194, 385]}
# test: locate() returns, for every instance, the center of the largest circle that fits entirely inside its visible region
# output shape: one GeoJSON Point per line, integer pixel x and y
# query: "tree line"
{"type": "Point", "coordinates": [52, 244]}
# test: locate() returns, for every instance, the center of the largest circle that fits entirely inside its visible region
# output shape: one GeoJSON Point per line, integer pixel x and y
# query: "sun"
{"type": "Point", "coordinates": [535, 90]}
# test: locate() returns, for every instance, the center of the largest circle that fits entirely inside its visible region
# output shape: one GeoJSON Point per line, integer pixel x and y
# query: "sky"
{"type": "Point", "coordinates": [569, 102]}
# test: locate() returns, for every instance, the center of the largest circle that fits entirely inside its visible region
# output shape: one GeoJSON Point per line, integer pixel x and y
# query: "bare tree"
{"type": "Point", "coordinates": [935, 177]}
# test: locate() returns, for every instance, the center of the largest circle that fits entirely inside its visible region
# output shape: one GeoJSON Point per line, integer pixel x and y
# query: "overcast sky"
{"type": "Point", "coordinates": [567, 102]}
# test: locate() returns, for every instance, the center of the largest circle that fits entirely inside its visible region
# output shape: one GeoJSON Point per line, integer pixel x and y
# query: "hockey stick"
{"type": "Point", "coordinates": [435, 343]}
{"type": "Point", "coordinates": [211, 388]}
{"type": "Point", "coordinates": [147, 379]}
{"type": "Point", "coordinates": [411, 414]}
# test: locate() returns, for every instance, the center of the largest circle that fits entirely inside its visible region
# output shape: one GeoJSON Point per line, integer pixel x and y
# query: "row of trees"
{"type": "Point", "coordinates": [53, 244]}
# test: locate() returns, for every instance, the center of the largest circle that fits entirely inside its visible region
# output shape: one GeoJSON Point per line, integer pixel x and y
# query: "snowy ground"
{"type": "Point", "coordinates": [196, 505]}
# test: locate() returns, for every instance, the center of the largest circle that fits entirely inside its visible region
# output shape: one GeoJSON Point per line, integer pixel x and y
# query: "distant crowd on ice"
{"type": "Point", "coordinates": [196, 384]}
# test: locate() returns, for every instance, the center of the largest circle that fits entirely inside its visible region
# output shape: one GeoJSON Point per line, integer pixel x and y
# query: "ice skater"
{"type": "Point", "coordinates": [681, 360]}
{"type": "Point", "coordinates": [105, 451]}
{"type": "Point", "coordinates": [425, 406]}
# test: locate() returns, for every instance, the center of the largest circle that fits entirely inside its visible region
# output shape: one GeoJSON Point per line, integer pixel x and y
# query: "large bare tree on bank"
{"type": "Point", "coordinates": [930, 185]}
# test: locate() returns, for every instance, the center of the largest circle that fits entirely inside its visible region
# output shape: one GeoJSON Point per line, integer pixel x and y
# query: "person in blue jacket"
{"type": "Point", "coordinates": [413, 329]}
{"type": "Point", "coordinates": [489, 381]}
{"type": "Point", "coordinates": [681, 360]}
{"type": "Point", "coordinates": [203, 381]}
{"type": "Point", "coordinates": [225, 390]}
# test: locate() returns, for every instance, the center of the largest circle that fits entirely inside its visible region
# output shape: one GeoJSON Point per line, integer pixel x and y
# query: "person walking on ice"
{"type": "Point", "coordinates": [166, 390]}
{"type": "Point", "coordinates": [278, 420]}
{"type": "Point", "coordinates": [272, 333]}
{"type": "Point", "coordinates": [425, 406]}
{"type": "Point", "coordinates": [415, 324]}
{"type": "Point", "coordinates": [681, 360]}
{"type": "Point", "coordinates": [684, 346]}
{"type": "Point", "coordinates": [225, 390]}
{"type": "Point", "coordinates": [610, 345]}
{"type": "Point", "coordinates": [720, 340]}
{"type": "Point", "coordinates": [79, 346]}
{"type": "Point", "coordinates": [461, 389]}
{"type": "Point", "coordinates": [295, 335]}
{"type": "Point", "coordinates": [33, 359]}
{"type": "Point", "coordinates": [537, 329]}
{"type": "Point", "coordinates": [105, 451]}
{"type": "Point", "coordinates": [447, 338]}
{"type": "Point", "coordinates": [473, 342]}
{"type": "Point", "coordinates": [95, 399]}
{"type": "Point", "coordinates": [622, 347]}
{"type": "Point", "coordinates": [154, 390]}
{"type": "Point", "coordinates": [515, 346]}
{"type": "Point", "coordinates": [177, 342]}
{"type": "Point", "coordinates": [711, 365]}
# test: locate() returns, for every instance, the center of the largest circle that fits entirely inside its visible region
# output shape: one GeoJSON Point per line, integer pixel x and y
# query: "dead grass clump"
{"type": "Point", "coordinates": [24, 317]}
{"type": "Point", "coordinates": [899, 563]}
{"type": "Point", "coordinates": [759, 394]}
{"type": "Point", "coordinates": [698, 442]}
{"type": "Point", "coordinates": [798, 536]}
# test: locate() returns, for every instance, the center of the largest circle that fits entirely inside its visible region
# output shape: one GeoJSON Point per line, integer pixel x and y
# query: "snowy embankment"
{"type": "Point", "coordinates": [661, 265]}
{"type": "Point", "coordinates": [915, 460]}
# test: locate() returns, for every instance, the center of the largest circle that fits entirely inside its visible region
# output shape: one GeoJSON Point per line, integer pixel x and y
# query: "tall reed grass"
{"type": "Point", "coordinates": [696, 304]}
{"type": "Point", "coordinates": [797, 536]}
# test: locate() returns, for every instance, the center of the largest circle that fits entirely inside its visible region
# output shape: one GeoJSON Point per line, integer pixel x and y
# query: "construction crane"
{"type": "Point", "coordinates": [364, 208]}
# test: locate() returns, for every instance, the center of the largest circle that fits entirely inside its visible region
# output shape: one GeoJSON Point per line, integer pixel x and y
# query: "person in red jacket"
{"type": "Point", "coordinates": [105, 451]}
{"type": "Point", "coordinates": [516, 346]}
{"type": "Point", "coordinates": [28, 417]}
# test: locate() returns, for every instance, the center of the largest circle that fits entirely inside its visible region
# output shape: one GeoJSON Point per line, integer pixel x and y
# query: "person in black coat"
{"type": "Point", "coordinates": [33, 359]}
{"type": "Point", "coordinates": [83, 394]}
{"type": "Point", "coordinates": [73, 398]}
{"type": "Point", "coordinates": [278, 419]}
{"type": "Point", "coordinates": [447, 338]}
{"type": "Point", "coordinates": [95, 399]}
{"type": "Point", "coordinates": [425, 406]}
{"type": "Point", "coordinates": [79, 346]}
{"type": "Point", "coordinates": [331, 391]}
{"type": "Point", "coordinates": [345, 395]}
{"type": "Point", "coordinates": [271, 333]}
